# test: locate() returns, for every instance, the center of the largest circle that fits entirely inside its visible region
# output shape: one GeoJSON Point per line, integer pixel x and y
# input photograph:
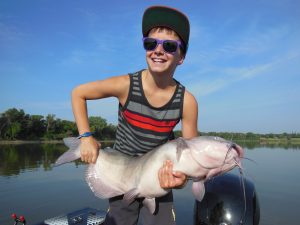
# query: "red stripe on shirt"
{"type": "Point", "coordinates": [150, 121]}
{"type": "Point", "coordinates": [148, 126]}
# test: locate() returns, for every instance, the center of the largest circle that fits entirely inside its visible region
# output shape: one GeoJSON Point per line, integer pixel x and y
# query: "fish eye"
{"type": "Point", "coordinates": [216, 138]}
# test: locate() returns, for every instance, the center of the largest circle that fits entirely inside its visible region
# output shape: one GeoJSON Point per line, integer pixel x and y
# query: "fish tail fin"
{"type": "Point", "coordinates": [72, 154]}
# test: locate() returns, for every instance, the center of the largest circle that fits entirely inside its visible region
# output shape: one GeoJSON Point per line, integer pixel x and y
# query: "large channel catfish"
{"type": "Point", "coordinates": [115, 173]}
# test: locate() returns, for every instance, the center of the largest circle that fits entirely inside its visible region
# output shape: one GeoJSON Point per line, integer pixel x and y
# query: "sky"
{"type": "Point", "coordinates": [242, 65]}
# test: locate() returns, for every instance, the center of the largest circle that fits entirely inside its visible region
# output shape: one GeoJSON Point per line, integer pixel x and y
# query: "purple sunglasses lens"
{"type": "Point", "coordinates": [169, 46]}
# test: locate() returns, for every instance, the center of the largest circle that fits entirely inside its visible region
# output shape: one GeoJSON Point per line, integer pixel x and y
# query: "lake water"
{"type": "Point", "coordinates": [29, 185]}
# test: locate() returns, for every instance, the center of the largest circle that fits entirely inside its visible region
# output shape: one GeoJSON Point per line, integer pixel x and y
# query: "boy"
{"type": "Point", "coordinates": [151, 103]}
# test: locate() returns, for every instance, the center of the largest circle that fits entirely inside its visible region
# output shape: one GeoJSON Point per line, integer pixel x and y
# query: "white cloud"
{"type": "Point", "coordinates": [228, 75]}
{"type": "Point", "coordinates": [218, 62]}
{"type": "Point", "coordinates": [251, 42]}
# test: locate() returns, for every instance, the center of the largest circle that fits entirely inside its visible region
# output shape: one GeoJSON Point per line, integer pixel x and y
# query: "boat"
{"type": "Point", "coordinates": [85, 216]}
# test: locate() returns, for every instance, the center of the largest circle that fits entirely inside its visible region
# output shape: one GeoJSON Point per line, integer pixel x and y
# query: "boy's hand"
{"type": "Point", "coordinates": [89, 149]}
{"type": "Point", "coordinates": [169, 178]}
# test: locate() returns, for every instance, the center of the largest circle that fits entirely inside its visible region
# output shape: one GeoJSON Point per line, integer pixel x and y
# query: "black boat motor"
{"type": "Point", "coordinates": [228, 201]}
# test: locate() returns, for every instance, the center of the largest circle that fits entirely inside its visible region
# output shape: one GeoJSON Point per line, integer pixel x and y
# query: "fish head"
{"type": "Point", "coordinates": [215, 154]}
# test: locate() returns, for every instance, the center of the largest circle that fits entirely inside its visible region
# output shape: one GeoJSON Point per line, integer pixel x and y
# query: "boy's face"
{"type": "Point", "coordinates": [160, 61]}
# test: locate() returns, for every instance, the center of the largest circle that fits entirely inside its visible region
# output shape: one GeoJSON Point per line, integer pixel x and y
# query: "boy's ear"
{"type": "Point", "coordinates": [181, 60]}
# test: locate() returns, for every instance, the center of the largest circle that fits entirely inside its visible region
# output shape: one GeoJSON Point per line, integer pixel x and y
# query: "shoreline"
{"type": "Point", "coordinates": [18, 142]}
{"type": "Point", "coordinates": [261, 141]}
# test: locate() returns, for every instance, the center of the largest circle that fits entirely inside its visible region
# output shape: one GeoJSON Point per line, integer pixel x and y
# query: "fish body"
{"type": "Point", "coordinates": [115, 173]}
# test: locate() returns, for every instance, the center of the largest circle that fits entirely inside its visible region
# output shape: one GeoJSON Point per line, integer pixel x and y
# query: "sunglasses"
{"type": "Point", "coordinates": [169, 46]}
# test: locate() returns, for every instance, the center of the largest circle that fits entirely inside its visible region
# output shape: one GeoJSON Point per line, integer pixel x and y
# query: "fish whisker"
{"type": "Point", "coordinates": [238, 163]}
{"type": "Point", "coordinates": [251, 160]}
{"type": "Point", "coordinates": [242, 183]}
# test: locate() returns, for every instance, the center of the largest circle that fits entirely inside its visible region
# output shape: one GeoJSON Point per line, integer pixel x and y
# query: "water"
{"type": "Point", "coordinates": [30, 186]}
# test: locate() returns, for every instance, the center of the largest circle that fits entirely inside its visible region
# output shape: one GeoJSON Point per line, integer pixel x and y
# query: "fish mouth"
{"type": "Point", "coordinates": [233, 157]}
{"type": "Point", "coordinates": [234, 154]}
{"type": "Point", "coordinates": [231, 160]}
{"type": "Point", "coordinates": [238, 149]}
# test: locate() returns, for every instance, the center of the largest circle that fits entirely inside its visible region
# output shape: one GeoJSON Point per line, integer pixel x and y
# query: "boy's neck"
{"type": "Point", "coordinates": [159, 80]}
{"type": "Point", "coordinates": [158, 88]}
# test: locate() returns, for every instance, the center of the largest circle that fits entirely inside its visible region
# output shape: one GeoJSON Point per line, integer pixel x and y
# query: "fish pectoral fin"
{"type": "Point", "coordinates": [150, 204]}
{"type": "Point", "coordinates": [198, 190]}
{"type": "Point", "coordinates": [181, 145]}
{"type": "Point", "coordinates": [131, 195]}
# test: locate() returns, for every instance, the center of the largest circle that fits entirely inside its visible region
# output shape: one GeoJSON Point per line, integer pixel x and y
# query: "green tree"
{"type": "Point", "coordinates": [4, 124]}
{"type": "Point", "coordinates": [69, 128]}
{"type": "Point", "coordinates": [97, 124]}
{"type": "Point", "coordinates": [109, 132]}
{"type": "Point", "coordinates": [14, 130]}
{"type": "Point", "coordinates": [251, 136]}
{"type": "Point", "coordinates": [11, 123]}
{"type": "Point", "coordinates": [36, 127]}
{"type": "Point", "coordinates": [50, 118]}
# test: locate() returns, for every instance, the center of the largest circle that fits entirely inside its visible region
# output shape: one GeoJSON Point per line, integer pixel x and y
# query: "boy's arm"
{"type": "Point", "coordinates": [189, 122]}
{"type": "Point", "coordinates": [112, 87]}
{"type": "Point", "coordinates": [175, 179]}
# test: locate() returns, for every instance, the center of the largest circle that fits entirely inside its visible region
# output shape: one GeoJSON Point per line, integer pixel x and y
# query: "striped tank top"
{"type": "Point", "coordinates": [142, 127]}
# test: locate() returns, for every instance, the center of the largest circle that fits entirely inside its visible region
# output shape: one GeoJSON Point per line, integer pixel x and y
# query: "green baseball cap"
{"type": "Point", "coordinates": [164, 16]}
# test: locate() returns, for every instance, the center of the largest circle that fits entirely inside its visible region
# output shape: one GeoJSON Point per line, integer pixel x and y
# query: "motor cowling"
{"type": "Point", "coordinates": [228, 201]}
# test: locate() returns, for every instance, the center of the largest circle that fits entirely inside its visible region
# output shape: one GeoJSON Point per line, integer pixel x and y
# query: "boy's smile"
{"type": "Point", "coordinates": [158, 60]}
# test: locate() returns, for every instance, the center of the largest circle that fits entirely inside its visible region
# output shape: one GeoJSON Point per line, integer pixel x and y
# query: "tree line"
{"type": "Point", "coordinates": [248, 136]}
{"type": "Point", "coordinates": [17, 125]}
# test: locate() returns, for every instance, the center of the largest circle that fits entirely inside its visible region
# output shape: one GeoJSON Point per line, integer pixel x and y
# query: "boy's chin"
{"type": "Point", "coordinates": [159, 68]}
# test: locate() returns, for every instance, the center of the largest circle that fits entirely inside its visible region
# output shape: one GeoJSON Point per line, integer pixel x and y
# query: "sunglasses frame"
{"type": "Point", "coordinates": [161, 42]}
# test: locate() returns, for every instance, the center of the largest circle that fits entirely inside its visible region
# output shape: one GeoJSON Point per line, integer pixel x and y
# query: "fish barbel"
{"type": "Point", "coordinates": [116, 173]}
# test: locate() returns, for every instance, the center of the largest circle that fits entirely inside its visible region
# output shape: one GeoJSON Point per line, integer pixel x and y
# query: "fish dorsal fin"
{"type": "Point", "coordinates": [150, 204]}
{"type": "Point", "coordinates": [181, 146]}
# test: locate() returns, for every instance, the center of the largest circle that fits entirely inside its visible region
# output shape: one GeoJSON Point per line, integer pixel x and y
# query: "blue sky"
{"type": "Point", "coordinates": [242, 65]}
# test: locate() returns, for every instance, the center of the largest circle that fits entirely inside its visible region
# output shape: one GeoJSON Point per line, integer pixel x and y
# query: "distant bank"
{"type": "Point", "coordinates": [18, 142]}
{"type": "Point", "coordinates": [18, 127]}
{"type": "Point", "coordinates": [293, 141]}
